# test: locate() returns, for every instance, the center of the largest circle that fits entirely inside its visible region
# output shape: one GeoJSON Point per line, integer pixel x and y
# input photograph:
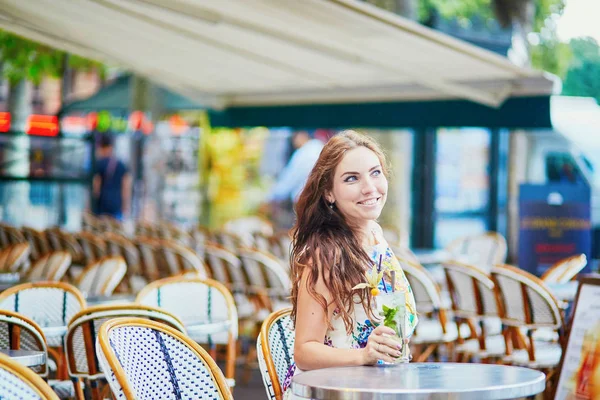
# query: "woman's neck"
{"type": "Point", "coordinates": [366, 234]}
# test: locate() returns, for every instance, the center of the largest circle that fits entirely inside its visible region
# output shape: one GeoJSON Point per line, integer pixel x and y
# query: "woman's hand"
{"type": "Point", "coordinates": [381, 347]}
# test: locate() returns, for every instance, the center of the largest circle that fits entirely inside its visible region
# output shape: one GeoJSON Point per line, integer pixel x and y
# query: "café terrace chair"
{"type": "Point", "coordinates": [80, 341]}
{"type": "Point", "coordinates": [92, 245]}
{"type": "Point", "coordinates": [481, 251]}
{"type": "Point", "coordinates": [20, 382]}
{"type": "Point", "coordinates": [246, 227]}
{"type": "Point", "coordinates": [147, 360]}
{"type": "Point", "coordinates": [226, 268]}
{"type": "Point", "coordinates": [50, 267]}
{"type": "Point", "coordinates": [14, 258]}
{"type": "Point", "coordinates": [199, 303]}
{"type": "Point", "coordinates": [38, 243]}
{"type": "Point", "coordinates": [11, 235]}
{"type": "Point", "coordinates": [17, 332]}
{"type": "Point", "coordinates": [180, 259]}
{"type": "Point", "coordinates": [267, 277]}
{"type": "Point", "coordinates": [50, 305]}
{"type": "Point", "coordinates": [474, 303]}
{"type": "Point", "coordinates": [526, 304]}
{"type": "Point", "coordinates": [275, 351]}
{"type": "Point", "coordinates": [434, 328]}
{"type": "Point", "coordinates": [119, 245]}
{"type": "Point", "coordinates": [565, 270]}
{"type": "Point", "coordinates": [65, 241]}
{"type": "Point", "coordinates": [101, 277]}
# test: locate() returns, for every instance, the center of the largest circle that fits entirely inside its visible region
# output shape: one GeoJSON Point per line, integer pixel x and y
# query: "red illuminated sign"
{"type": "Point", "coordinates": [42, 125]}
{"type": "Point", "coordinates": [4, 121]}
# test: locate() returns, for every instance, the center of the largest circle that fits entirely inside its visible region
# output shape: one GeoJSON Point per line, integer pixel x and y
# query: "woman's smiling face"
{"type": "Point", "coordinates": [359, 186]}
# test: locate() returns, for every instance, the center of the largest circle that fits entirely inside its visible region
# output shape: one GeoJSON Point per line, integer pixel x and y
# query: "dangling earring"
{"type": "Point", "coordinates": [331, 204]}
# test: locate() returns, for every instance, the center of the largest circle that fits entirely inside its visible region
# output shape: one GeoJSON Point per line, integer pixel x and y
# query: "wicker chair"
{"type": "Point", "coordinates": [275, 350]}
{"type": "Point", "coordinates": [213, 303]}
{"type": "Point", "coordinates": [180, 259]}
{"type": "Point", "coordinates": [14, 258]}
{"type": "Point", "coordinates": [156, 361]}
{"type": "Point", "coordinates": [268, 278]}
{"type": "Point", "coordinates": [92, 246]}
{"type": "Point", "coordinates": [226, 268]}
{"type": "Point", "coordinates": [118, 245]}
{"type": "Point", "coordinates": [481, 251]}
{"type": "Point", "coordinates": [433, 329]}
{"type": "Point", "coordinates": [565, 270]}
{"type": "Point", "coordinates": [50, 267]}
{"type": "Point", "coordinates": [19, 382]}
{"type": "Point", "coordinates": [47, 303]}
{"type": "Point", "coordinates": [80, 341]}
{"type": "Point", "coordinates": [101, 277]}
{"type": "Point", "coordinates": [474, 302]}
{"type": "Point", "coordinates": [37, 241]}
{"type": "Point", "coordinates": [526, 304]}
{"type": "Point", "coordinates": [18, 332]}
{"type": "Point", "coordinates": [65, 241]}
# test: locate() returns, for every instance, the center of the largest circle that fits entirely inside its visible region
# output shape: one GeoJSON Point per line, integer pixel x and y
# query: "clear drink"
{"type": "Point", "coordinates": [391, 307]}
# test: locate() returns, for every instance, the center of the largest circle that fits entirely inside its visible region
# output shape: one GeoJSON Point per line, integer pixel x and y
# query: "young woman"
{"type": "Point", "coordinates": [337, 244]}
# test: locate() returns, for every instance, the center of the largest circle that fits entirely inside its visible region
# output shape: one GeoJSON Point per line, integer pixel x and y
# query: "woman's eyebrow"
{"type": "Point", "coordinates": [358, 173]}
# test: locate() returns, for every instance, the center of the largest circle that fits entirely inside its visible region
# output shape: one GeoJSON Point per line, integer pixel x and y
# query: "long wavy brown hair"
{"type": "Point", "coordinates": [324, 242]}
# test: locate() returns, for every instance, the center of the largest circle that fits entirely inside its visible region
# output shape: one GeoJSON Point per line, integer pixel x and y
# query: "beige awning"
{"type": "Point", "coordinates": [226, 53]}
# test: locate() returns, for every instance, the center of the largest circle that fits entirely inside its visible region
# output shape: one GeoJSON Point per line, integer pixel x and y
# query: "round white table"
{"type": "Point", "coordinates": [195, 328]}
{"type": "Point", "coordinates": [110, 300]}
{"type": "Point", "coordinates": [419, 381]}
{"type": "Point", "coordinates": [28, 358]}
{"type": "Point", "coordinates": [564, 291]}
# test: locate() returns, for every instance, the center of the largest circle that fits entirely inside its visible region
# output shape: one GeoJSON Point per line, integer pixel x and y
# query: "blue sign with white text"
{"type": "Point", "coordinates": [554, 223]}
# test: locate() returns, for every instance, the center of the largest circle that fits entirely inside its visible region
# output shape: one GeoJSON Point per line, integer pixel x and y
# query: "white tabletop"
{"type": "Point", "coordinates": [431, 381]}
{"type": "Point", "coordinates": [56, 331]}
{"type": "Point", "coordinates": [28, 358]}
{"type": "Point", "coordinates": [564, 291]}
{"type": "Point", "coordinates": [194, 328]}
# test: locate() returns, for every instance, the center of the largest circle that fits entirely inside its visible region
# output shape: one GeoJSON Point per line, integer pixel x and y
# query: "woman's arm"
{"type": "Point", "coordinates": [311, 326]}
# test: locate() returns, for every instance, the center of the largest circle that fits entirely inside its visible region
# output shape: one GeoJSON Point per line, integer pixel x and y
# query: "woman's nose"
{"type": "Point", "coordinates": [368, 186]}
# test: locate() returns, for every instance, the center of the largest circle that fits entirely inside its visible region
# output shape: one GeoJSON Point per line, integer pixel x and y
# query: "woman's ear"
{"type": "Point", "coordinates": [329, 197]}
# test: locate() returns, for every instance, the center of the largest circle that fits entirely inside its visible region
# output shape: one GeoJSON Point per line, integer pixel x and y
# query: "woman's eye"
{"type": "Point", "coordinates": [351, 178]}
{"type": "Point", "coordinates": [376, 172]}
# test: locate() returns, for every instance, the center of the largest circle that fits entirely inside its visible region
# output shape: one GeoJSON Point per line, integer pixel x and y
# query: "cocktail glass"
{"type": "Point", "coordinates": [391, 307]}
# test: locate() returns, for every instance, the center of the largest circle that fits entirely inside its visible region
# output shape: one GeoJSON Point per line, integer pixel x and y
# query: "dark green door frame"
{"type": "Point", "coordinates": [423, 196]}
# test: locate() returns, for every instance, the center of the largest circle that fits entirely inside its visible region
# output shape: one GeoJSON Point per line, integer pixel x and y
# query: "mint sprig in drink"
{"type": "Point", "coordinates": [391, 306]}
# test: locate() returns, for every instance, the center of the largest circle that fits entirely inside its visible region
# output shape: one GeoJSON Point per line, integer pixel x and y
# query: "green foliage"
{"type": "Point", "coordinates": [552, 56]}
{"type": "Point", "coordinates": [24, 59]}
{"type": "Point", "coordinates": [490, 10]}
{"type": "Point", "coordinates": [583, 75]}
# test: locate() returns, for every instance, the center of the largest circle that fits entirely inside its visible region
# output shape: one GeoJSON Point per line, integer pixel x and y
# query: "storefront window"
{"type": "Point", "coordinates": [462, 183]}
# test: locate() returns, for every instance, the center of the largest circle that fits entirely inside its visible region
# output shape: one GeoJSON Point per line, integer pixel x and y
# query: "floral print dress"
{"type": "Point", "coordinates": [337, 336]}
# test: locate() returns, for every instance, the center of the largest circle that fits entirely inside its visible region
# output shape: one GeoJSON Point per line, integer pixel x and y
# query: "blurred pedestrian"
{"type": "Point", "coordinates": [292, 178]}
{"type": "Point", "coordinates": [111, 183]}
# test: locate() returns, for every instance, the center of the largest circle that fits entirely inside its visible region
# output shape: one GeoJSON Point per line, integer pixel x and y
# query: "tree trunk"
{"type": "Point", "coordinates": [15, 201]}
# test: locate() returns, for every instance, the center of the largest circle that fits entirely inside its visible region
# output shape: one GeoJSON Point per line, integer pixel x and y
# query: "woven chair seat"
{"type": "Point", "coordinates": [543, 335]}
{"type": "Point", "coordinates": [495, 346]}
{"type": "Point", "coordinates": [547, 355]}
{"type": "Point", "coordinates": [19, 382]}
{"type": "Point", "coordinates": [430, 331]}
{"type": "Point", "coordinates": [149, 360]}
{"type": "Point", "coordinates": [275, 351]}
